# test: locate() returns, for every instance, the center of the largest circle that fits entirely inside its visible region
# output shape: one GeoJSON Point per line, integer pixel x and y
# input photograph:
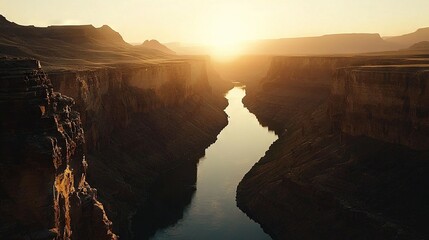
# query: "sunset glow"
{"type": "Point", "coordinates": [214, 119]}
{"type": "Point", "coordinates": [225, 22]}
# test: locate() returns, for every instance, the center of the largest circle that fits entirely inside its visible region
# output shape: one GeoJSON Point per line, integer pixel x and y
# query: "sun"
{"type": "Point", "coordinates": [227, 33]}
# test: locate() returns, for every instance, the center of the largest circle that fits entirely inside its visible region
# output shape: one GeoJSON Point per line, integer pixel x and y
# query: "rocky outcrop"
{"type": "Point", "coordinates": [44, 192]}
{"type": "Point", "coordinates": [351, 158]}
{"type": "Point", "coordinates": [141, 121]}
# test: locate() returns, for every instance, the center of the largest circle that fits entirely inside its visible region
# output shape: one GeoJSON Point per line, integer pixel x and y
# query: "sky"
{"type": "Point", "coordinates": [217, 22]}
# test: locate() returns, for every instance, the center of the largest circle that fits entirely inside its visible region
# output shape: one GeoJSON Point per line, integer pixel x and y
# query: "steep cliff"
{"type": "Point", "coordinates": [388, 103]}
{"type": "Point", "coordinates": [141, 121]}
{"type": "Point", "coordinates": [351, 158]}
{"type": "Point", "coordinates": [44, 192]}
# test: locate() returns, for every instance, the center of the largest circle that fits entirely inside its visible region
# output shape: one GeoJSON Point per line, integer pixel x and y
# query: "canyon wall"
{"type": "Point", "coordinates": [109, 97]}
{"type": "Point", "coordinates": [45, 194]}
{"type": "Point", "coordinates": [388, 103]}
{"type": "Point", "coordinates": [351, 158]}
{"type": "Point", "coordinates": [141, 121]}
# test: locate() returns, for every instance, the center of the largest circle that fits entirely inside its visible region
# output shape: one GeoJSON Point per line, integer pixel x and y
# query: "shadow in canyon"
{"type": "Point", "coordinates": [167, 201]}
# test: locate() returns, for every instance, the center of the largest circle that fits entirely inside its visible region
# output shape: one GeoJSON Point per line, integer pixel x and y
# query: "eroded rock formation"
{"type": "Point", "coordinates": [351, 158]}
{"type": "Point", "coordinates": [141, 121]}
{"type": "Point", "coordinates": [43, 184]}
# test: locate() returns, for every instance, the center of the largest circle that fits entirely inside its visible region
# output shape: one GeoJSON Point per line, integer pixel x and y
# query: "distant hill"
{"type": "Point", "coordinates": [188, 49]}
{"type": "Point", "coordinates": [352, 43]}
{"type": "Point", "coordinates": [327, 44]}
{"type": "Point", "coordinates": [154, 44]}
{"type": "Point", "coordinates": [70, 45]}
{"type": "Point", "coordinates": [407, 40]}
{"type": "Point", "coordinates": [420, 46]}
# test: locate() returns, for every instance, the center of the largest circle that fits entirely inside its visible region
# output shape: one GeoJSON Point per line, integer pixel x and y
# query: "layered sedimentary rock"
{"type": "Point", "coordinates": [388, 103]}
{"type": "Point", "coordinates": [142, 120]}
{"type": "Point", "coordinates": [44, 192]}
{"type": "Point", "coordinates": [351, 158]}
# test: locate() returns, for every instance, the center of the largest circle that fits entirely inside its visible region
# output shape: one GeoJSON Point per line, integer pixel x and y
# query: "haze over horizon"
{"type": "Point", "coordinates": [224, 22]}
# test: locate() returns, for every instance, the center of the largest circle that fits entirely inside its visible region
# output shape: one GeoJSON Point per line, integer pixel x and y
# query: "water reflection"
{"type": "Point", "coordinates": [213, 213]}
{"type": "Point", "coordinates": [167, 202]}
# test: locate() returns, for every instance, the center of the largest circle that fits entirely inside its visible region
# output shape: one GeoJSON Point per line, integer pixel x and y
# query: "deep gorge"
{"type": "Point", "coordinates": [101, 138]}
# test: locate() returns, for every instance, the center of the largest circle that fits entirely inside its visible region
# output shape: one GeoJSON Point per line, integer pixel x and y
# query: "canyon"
{"type": "Point", "coordinates": [351, 158]}
{"type": "Point", "coordinates": [142, 114]}
{"type": "Point", "coordinates": [105, 141]}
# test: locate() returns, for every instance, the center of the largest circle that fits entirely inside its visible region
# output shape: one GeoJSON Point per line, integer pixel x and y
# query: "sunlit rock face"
{"type": "Point", "coordinates": [351, 158]}
{"type": "Point", "coordinates": [44, 193]}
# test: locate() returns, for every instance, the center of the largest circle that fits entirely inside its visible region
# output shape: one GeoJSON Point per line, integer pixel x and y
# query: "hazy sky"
{"type": "Point", "coordinates": [224, 21]}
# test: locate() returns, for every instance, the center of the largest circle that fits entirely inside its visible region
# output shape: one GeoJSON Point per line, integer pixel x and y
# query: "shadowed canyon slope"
{"type": "Point", "coordinates": [144, 112]}
{"type": "Point", "coordinates": [351, 159]}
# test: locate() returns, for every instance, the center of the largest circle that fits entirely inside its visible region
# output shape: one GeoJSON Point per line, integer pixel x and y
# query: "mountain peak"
{"type": "Point", "coordinates": [155, 44]}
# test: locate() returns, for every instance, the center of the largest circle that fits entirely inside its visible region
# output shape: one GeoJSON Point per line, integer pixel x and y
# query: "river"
{"type": "Point", "coordinates": [210, 212]}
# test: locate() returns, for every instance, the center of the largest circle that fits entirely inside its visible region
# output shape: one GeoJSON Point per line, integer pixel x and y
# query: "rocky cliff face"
{"type": "Point", "coordinates": [142, 121]}
{"type": "Point", "coordinates": [292, 79]}
{"type": "Point", "coordinates": [387, 103]}
{"type": "Point", "coordinates": [110, 97]}
{"type": "Point", "coordinates": [43, 184]}
{"type": "Point", "coordinates": [351, 158]}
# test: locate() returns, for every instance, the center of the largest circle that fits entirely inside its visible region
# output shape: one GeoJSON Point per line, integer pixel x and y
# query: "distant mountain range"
{"type": "Point", "coordinates": [424, 45]}
{"type": "Point", "coordinates": [64, 45]}
{"type": "Point", "coordinates": [407, 40]}
{"type": "Point", "coordinates": [328, 44]}
{"type": "Point", "coordinates": [322, 45]}
{"type": "Point", "coordinates": [87, 44]}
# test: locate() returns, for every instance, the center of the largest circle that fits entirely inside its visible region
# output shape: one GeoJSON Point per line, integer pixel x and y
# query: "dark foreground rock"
{"type": "Point", "coordinates": [44, 192]}
{"type": "Point", "coordinates": [351, 161]}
